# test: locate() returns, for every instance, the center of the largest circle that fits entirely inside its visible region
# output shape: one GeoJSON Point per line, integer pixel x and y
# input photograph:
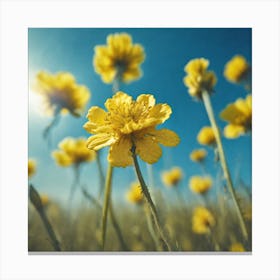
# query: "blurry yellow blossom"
{"type": "Point", "coordinates": [239, 116]}
{"type": "Point", "coordinates": [73, 152]}
{"type": "Point", "coordinates": [198, 155]}
{"type": "Point", "coordinates": [119, 57]}
{"type": "Point", "coordinates": [130, 122]}
{"type": "Point", "coordinates": [135, 194]}
{"type": "Point", "coordinates": [206, 136]}
{"type": "Point", "coordinates": [237, 247]}
{"type": "Point", "coordinates": [198, 78]}
{"type": "Point", "coordinates": [44, 199]}
{"type": "Point", "coordinates": [199, 184]}
{"type": "Point", "coordinates": [236, 69]}
{"type": "Point", "coordinates": [172, 177]}
{"type": "Point", "coordinates": [202, 220]}
{"type": "Point", "coordinates": [61, 93]}
{"type": "Point", "coordinates": [31, 167]}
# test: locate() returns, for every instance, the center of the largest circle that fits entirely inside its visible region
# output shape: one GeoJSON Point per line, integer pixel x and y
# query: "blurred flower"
{"type": "Point", "coordinates": [237, 247]}
{"type": "Point", "coordinates": [198, 155]}
{"type": "Point", "coordinates": [202, 220]}
{"type": "Point", "coordinates": [61, 94]}
{"type": "Point", "coordinates": [236, 69]}
{"type": "Point", "coordinates": [199, 184]}
{"type": "Point", "coordinates": [31, 167]}
{"type": "Point", "coordinates": [172, 177]}
{"type": "Point", "coordinates": [73, 152]}
{"type": "Point", "coordinates": [239, 116]}
{"type": "Point", "coordinates": [135, 194]}
{"type": "Point", "coordinates": [119, 57]}
{"type": "Point", "coordinates": [44, 199]}
{"type": "Point", "coordinates": [198, 78]}
{"type": "Point", "coordinates": [206, 136]}
{"type": "Point", "coordinates": [130, 122]}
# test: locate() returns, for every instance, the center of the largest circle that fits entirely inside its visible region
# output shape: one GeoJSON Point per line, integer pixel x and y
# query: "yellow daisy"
{"type": "Point", "coordinates": [206, 136]}
{"type": "Point", "coordinates": [236, 69]}
{"type": "Point", "coordinates": [198, 155]}
{"type": "Point", "coordinates": [31, 167]}
{"type": "Point", "coordinates": [202, 220]}
{"type": "Point", "coordinates": [198, 78]}
{"type": "Point", "coordinates": [239, 116]}
{"type": "Point", "coordinates": [130, 123]}
{"type": "Point", "coordinates": [200, 184]}
{"type": "Point", "coordinates": [61, 93]}
{"type": "Point", "coordinates": [73, 152]}
{"type": "Point", "coordinates": [172, 177]}
{"type": "Point", "coordinates": [134, 194]}
{"type": "Point", "coordinates": [119, 57]}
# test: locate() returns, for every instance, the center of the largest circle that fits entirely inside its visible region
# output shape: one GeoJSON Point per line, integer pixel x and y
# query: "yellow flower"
{"type": "Point", "coordinates": [31, 167]}
{"type": "Point", "coordinates": [61, 93]}
{"type": "Point", "coordinates": [202, 220]}
{"type": "Point", "coordinates": [45, 199]}
{"type": "Point", "coordinates": [172, 177]}
{"type": "Point", "coordinates": [237, 247]}
{"type": "Point", "coordinates": [130, 122]}
{"type": "Point", "coordinates": [200, 184]}
{"type": "Point", "coordinates": [198, 78]}
{"type": "Point", "coordinates": [73, 151]}
{"type": "Point", "coordinates": [198, 155]}
{"type": "Point", "coordinates": [135, 194]}
{"type": "Point", "coordinates": [239, 116]}
{"type": "Point", "coordinates": [206, 136]}
{"type": "Point", "coordinates": [119, 57]}
{"type": "Point", "coordinates": [236, 69]}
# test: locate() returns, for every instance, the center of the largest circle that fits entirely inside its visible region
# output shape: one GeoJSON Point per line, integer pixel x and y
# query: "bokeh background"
{"type": "Point", "coordinates": [167, 52]}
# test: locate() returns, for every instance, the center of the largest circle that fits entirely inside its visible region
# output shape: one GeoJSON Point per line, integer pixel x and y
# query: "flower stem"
{"type": "Point", "coordinates": [222, 158]}
{"type": "Point", "coordinates": [149, 200]}
{"type": "Point", "coordinates": [37, 203]}
{"type": "Point", "coordinates": [101, 175]}
{"type": "Point", "coordinates": [108, 184]}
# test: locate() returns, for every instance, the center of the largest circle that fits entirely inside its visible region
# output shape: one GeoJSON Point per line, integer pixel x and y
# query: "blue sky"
{"type": "Point", "coordinates": [167, 52]}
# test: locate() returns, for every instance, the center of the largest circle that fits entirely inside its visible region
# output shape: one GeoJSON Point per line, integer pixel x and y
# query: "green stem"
{"type": "Point", "coordinates": [149, 200]}
{"type": "Point", "coordinates": [37, 203]}
{"type": "Point", "coordinates": [101, 175]}
{"type": "Point", "coordinates": [74, 184]}
{"type": "Point", "coordinates": [222, 158]}
{"type": "Point", "coordinates": [117, 228]}
{"type": "Point", "coordinates": [108, 185]}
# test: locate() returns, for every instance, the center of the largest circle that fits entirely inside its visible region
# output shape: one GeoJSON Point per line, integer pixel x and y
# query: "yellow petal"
{"type": "Point", "coordinates": [233, 131]}
{"type": "Point", "coordinates": [230, 113]}
{"type": "Point", "coordinates": [100, 140]}
{"type": "Point", "coordinates": [148, 149]}
{"type": "Point", "coordinates": [62, 158]}
{"type": "Point", "coordinates": [166, 137]}
{"type": "Point", "coordinates": [119, 100]}
{"type": "Point", "coordinates": [96, 115]}
{"type": "Point", "coordinates": [120, 154]}
{"type": "Point", "coordinates": [160, 113]}
{"type": "Point", "coordinates": [146, 100]}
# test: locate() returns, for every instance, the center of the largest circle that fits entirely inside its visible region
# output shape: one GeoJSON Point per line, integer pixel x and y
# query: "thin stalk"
{"type": "Point", "coordinates": [37, 203]}
{"type": "Point", "coordinates": [101, 175]}
{"type": "Point", "coordinates": [47, 130]}
{"type": "Point", "coordinates": [107, 198]}
{"type": "Point", "coordinates": [151, 227]}
{"type": "Point", "coordinates": [74, 184]}
{"type": "Point", "coordinates": [117, 227]}
{"type": "Point", "coordinates": [149, 200]}
{"type": "Point", "coordinates": [222, 158]}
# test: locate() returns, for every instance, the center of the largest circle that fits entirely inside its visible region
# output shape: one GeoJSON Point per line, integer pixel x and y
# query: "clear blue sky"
{"type": "Point", "coordinates": [167, 52]}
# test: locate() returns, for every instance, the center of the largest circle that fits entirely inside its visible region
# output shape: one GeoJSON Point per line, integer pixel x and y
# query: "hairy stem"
{"type": "Point", "coordinates": [149, 200]}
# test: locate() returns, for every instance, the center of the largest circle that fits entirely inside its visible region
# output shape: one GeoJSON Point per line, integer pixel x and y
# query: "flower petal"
{"type": "Point", "coordinates": [160, 113]}
{"type": "Point", "coordinates": [100, 140]}
{"type": "Point", "coordinates": [118, 101]}
{"type": "Point", "coordinates": [233, 131]}
{"type": "Point", "coordinates": [148, 149]}
{"type": "Point", "coordinates": [120, 154]}
{"type": "Point", "coordinates": [166, 137]}
{"type": "Point", "coordinates": [62, 158]}
{"type": "Point", "coordinates": [96, 115]}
